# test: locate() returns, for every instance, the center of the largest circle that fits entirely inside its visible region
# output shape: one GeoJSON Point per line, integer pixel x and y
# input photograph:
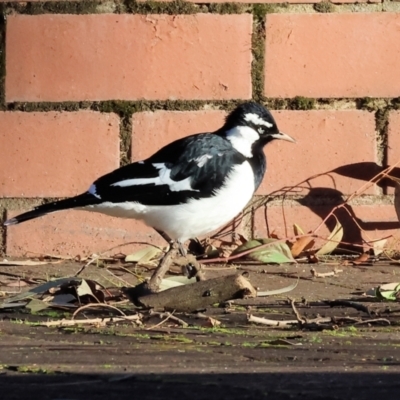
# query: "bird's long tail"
{"type": "Point", "coordinates": [82, 200]}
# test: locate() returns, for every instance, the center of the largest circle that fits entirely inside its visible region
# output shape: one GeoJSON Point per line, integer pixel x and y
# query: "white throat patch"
{"type": "Point", "coordinates": [242, 139]}
{"type": "Point", "coordinates": [256, 120]}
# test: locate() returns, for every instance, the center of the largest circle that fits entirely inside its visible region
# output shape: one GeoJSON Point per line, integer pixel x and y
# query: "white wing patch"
{"type": "Point", "coordinates": [242, 139]}
{"type": "Point", "coordinates": [256, 120]}
{"type": "Point", "coordinates": [92, 190]}
{"type": "Point", "coordinates": [164, 178]}
{"type": "Point", "coordinates": [200, 161]}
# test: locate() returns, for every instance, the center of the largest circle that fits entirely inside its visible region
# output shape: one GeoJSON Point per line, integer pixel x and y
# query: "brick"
{"type": "Point", "coordinates": [269, 1]}
{"type": "Point", "coordinates": [54, 57]}
{"type": "Point", "coordinates": [153, 130]}
{"type": "Point", "coordinates": [326, 140]}
{"type": "Point", "coordinates": [72, 233]}
{"type": "Point", "coordinates": [332, 55]}
{"type": "Point", "coordinates": [236, 1]}
{"type": "Point", "coordinates": [393, 147]}
{"type": "Point", "coordinates": [53, 154]}
{"type": "Point", "coordinates": [393, 154]}
{"type": "Point", "coordinates": [376, 220]}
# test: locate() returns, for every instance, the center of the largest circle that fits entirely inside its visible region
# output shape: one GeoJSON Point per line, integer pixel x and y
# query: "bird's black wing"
{"type": "Point", "coordinates": [203, 160]}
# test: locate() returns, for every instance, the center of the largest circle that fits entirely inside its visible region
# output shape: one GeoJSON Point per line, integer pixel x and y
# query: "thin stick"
{"type": "Point", "coordinates": [94, 321]}
{"type": "Point", "coordinates": [167, 316]}
{"type": "Point", "coordinates": [97, 305]}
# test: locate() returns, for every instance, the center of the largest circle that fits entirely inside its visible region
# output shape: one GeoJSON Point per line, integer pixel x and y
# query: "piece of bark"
{"type": "Point", "coordinates": [199, 295]}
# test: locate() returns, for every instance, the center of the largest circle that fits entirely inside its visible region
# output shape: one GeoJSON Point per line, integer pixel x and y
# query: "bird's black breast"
{"type": "Point", "coordinates": [259, 165]}
{"type": "Point", "coordinates": [206, 159]}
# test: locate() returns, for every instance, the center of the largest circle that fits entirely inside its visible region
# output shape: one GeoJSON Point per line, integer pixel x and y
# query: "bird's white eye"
{"type": "Point", "coordinates": [261, 130]}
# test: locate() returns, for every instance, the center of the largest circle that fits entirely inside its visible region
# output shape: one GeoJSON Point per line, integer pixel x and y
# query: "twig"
{"type": "Point", "coordinates": [316, 274]}
{"type": "Point", "coordinates": [271, 322]}
{"type": "Point", "coordinates": [300, 319]}
{"type": "Point", "coordinates": [373, 321]}
{"type": "Point", "coordinates": [97, 305]}
{"type": "Point", "coordinates": [168, 315]}
{"type": "Point", "coordinates": [95, 321]}
{"type": "Point", "coordinates": [158, 275]}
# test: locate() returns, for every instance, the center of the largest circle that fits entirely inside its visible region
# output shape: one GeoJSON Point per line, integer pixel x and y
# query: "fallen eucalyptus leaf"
{"type": "Point", "coordinates": [84, 289]}
{"type": "Point", "coordinates": [36, 305]}
{"type": "Point", "coordinates": [278, 291]}
{"type": "Point", "coordinates": [297, 230]}
{"type": "Point", "coordinates": [363, 258]}
{"type": "Point", "coordinates": [42, 288]}
{"type": "Point", "coordinates": [143, 256]}
{"type": "Point", "coordinates": [275, 253]}
{"type": "Point", "coordinates": [389, 291]}
{"type": "Point", "coordinates": [333, 240]}
{"type": "Point", "coordinates": [379, 246]}
{"type": "Point", "coordinates": [302, 244]}
{"type": "Point", "coordinates": [174, 281]}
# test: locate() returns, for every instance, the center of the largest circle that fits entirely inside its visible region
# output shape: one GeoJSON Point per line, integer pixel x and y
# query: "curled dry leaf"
{"type": "Point", "coordinates": [274, 235]}
{"type": "Point", "coordinates": [361, 259]}
{"type": "Point", "coordinates": [275, 253]}
{"type": "Point", "coordinates": [301, 245]}
{"type": "Point", "coordinates": [297, 230]}
{"type": "Point", "coordinates": [143, 256]}
{"type": "Point", "coordinates": [388, 291]}
{"type": "Point", "coordinates": [333, 240]}
{"type": "Point", "coordinates": [379, 246]}
{"type": "Point", "coordinates": [278, 291]}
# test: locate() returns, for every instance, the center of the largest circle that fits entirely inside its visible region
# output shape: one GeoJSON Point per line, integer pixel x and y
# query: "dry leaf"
{"type": "Point", "coordinates": [143, 256]}
{"type": "Point", "coordinates": [278, 291]}
{"type": "Point", "coordinates": [333, 240]}
{"type": "Point", "coordinates": [297, 230]}
{"type": "Point", "coordinates": [213, 322]}
{"type": "Point", "coordinates": [361, 259]}
{"type": "Point", "coordinates": [379, 246]}
{"type": "Point", "coordinates": [302, 244]}
{"type": "Point", "coordinates": [274, 235]}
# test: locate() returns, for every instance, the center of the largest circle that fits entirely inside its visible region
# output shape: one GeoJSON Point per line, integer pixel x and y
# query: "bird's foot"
{"type": "Point", "coordinates": [158, 275]}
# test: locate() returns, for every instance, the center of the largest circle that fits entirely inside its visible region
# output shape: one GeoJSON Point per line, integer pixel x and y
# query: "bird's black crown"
{"type": "Point", "coordinates": [253, 115]}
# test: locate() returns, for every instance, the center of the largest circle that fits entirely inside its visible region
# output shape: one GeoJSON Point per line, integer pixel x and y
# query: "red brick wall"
{"type": "Point", "coordinates": [86, 87]}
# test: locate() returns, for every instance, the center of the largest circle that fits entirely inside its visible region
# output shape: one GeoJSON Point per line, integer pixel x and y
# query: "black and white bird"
{"type": "Point", "coordinates": [188, 188]}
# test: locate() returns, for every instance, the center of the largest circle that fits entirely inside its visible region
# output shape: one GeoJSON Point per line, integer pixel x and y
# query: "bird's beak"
{"type": "Point", "coordinates": [283, 136]}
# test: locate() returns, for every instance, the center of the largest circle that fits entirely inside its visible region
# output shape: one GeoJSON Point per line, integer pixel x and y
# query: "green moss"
{"type": "Point", "coordinates": [395, 103]}
{"type": "Point", "coordinates": [257, 72]}
{"type": "Point", "coordinates": [324, 7]}
{"type": "Point", "coordinates": [228, 8]}
{"type": "Point", "coordinates": [57, 7]}
{"type": "Point", "coordinates": [276, 104]}
{"type": "Point", "coordinates": [153, 7]}
{"type": "Point", "coordinates": [261, 10]}
{"type": "Point", "coordinates": [44, 106]}
{"type": "Point", "coordinates": [301, 103]}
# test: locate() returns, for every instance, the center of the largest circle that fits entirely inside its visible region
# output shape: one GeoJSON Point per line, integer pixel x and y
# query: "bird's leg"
{"type": "Point", "coordinates": [165, 237]}
{"type": "Point", "coordinates": [158, 275]}
{"type": "Point", "coordinates": [182, 249]}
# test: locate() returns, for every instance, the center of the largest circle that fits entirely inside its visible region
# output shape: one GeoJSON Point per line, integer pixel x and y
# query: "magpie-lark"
{"type": "Point", "coordinates": [188, 188]}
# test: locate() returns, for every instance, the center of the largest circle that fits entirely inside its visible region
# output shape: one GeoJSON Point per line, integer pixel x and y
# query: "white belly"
{"type": "Point", "coordinates": [196, 217]}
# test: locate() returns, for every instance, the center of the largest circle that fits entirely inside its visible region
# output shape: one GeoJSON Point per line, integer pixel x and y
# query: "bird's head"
{"type": "Point", "coordinates": [250, 126]}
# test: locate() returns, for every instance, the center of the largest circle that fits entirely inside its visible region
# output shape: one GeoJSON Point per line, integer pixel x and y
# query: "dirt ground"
{"type": "Point", "coordinates": [232, 361]}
